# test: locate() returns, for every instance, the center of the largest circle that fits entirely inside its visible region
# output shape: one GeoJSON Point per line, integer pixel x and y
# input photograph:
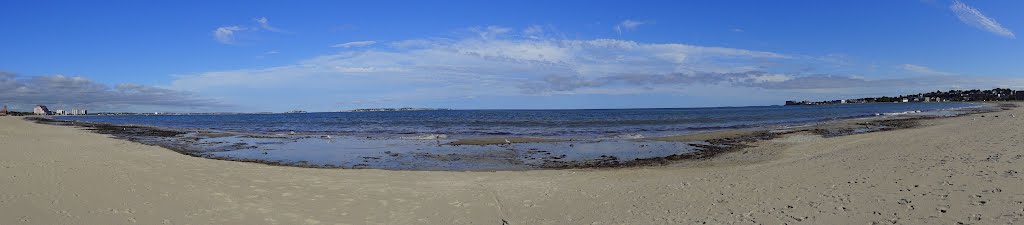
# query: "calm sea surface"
{"type": "Point", "coordinates": [586, 123]}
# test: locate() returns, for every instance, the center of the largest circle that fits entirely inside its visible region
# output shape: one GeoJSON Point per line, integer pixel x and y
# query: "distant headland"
{"type": "Point", "coordinates": [998, 94]}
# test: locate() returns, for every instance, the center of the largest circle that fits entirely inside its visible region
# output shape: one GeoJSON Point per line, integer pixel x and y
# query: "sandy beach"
{"type": "Point", "coordinates": [952, 170]}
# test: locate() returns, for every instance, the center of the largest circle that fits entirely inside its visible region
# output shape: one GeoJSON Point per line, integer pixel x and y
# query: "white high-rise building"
{"type": "Point", "coordinates": [78, 112]}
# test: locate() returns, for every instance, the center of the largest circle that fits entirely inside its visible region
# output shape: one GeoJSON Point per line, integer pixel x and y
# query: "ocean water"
{"type": "Point", "coordinates": [584, 123]}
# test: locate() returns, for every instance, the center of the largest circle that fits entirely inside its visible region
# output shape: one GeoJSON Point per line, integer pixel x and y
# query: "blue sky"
{"type": "Point", "coordinates": [335, 55]}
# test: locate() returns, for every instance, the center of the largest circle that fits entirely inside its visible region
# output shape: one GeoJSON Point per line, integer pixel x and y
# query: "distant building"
{"type": "Point", "coordinates": [3, 112]}
{"type": "Point", "coordinates": [41, 110]}
{"type": "Point", "coordinates": [73, 112]}
{"type": "Point", "coordinates": [800, 103]}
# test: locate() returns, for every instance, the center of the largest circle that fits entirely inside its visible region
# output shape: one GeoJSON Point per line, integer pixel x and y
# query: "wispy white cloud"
{"type": "Point", "coordinates": [975, 18]}
{"type": "Point", "coordinates": [268, 54]}
{"type": "Point", "coordinates": [533, 31]}
{"type": "Point", "coordinates": [506, 63]}
{"type": "Point", "coordinates": [859, 84]}
{"type": "Point", "coordinates": [226, 34]}
{"type": "Point", "coordinates": [490, 32]}
{"type": "Point", "coordinates": [265, 24]}
{"type": "Point", "coordinates": [354, 44]}
{"type": "Point", "coordinates": [923, 70]}
{"type": "Point", "coordinates": [627, 25]}
{"type": "Point", "coordinates": [497, 63]}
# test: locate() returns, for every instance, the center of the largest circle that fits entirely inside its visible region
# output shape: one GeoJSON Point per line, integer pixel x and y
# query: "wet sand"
{"type": "Point", "coordinates": [501, 140]}
{"type": "Point", "coordinates": [707, 136]}
{"type": "Point", "coordinates": [962, 169]}
{"type": "Point", "coordinates": [439, 152]}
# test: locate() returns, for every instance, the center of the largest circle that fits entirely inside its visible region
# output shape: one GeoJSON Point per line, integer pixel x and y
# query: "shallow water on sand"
{"type": "Point", "coordinates": [404, 154]}
{"type": "Point", "coordinates": [423, 140]}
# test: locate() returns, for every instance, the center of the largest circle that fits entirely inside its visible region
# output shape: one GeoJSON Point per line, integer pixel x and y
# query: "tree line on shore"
{"type": "Point", "coordinates": [997, 94]}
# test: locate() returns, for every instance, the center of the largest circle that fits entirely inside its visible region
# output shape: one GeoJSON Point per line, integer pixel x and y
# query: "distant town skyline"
{"type": "Point", "coordinates": [184, 56]}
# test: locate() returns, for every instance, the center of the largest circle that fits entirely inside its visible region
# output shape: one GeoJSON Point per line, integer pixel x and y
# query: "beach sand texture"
{"type": "Point", "coordinates": [964, 169]}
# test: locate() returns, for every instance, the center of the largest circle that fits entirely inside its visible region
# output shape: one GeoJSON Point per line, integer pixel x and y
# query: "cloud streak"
{"type": "Point", "coordinates": [754, 79]}
{"type": "Point", "coordinates": [490, 32]}
{"type": "Point", "coordinates": [227, 34]}
{"type": "Point", "coordinates": [839, 83]}
{"type": "Point", "coordinates": [265, 24]}
{"type": "Point", "coordinates": [922, 70]}
{"type": "Point", "coordinates": [975, 18]}
{"type": "Point", "coordinates": [59, 90]}
{"type": "Point", "coordinates": [627, 25]}
{"type": "Point", "coordinates": [354, 44]}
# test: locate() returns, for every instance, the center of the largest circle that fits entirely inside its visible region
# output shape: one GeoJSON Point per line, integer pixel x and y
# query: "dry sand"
{"type": "Point", "coordinates": [954, 170]}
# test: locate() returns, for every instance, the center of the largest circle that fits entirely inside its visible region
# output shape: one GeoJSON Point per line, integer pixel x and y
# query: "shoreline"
{"type": "Point", "coordinates": [701, 145]}
{"type": "Point", "coordinates": [950, 170]}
